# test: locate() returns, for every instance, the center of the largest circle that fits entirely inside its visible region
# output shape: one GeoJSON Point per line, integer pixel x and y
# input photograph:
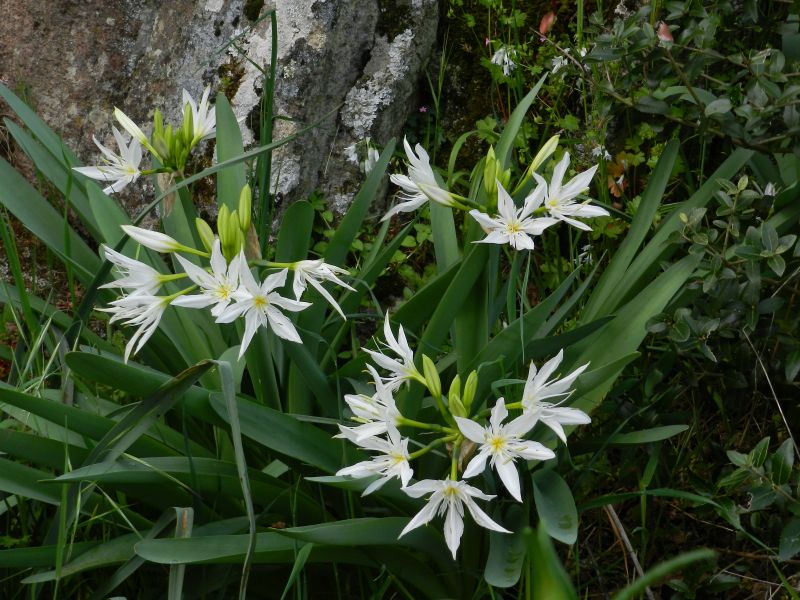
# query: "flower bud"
{"type": "Point", "coordinates": [245, 208]}
{"type": "Point", "coordinates": [544, 153]}
{"type": "Point", "coordinates": [431, 376]}
{"type": "Point", "coordinates": [470, 387]}
{"type": "Point", "coordinates": [188, 125]}
{"type": "Point", "coordinates": [457, 408]}
{"type": "Point", "coordinates": [205, 233]}
{"type": "Point", "coordinates": [490, 173]}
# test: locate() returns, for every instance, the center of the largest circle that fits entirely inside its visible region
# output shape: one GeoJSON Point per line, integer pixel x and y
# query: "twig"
{"type": "Point", "coordinates": [620, 530]}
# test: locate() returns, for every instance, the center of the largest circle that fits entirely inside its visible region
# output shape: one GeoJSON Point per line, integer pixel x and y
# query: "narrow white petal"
{"type": "Point", "coordinates": [453, 529]}
{"type": "Point", "coordinates": [510, 478]}
{"type": "Point", "coordinates": [471, 429]}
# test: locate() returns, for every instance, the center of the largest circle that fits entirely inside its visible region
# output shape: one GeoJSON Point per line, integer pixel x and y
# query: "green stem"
{"type": "Point", "coordinates": [428, 426]}
{"type": "Point", "coordinates": [432, 445]}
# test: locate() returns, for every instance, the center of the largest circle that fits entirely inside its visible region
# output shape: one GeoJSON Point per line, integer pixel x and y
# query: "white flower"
{"type": "Point", "coordinates": [313, 272]}
{"type": "Point", "coordinates": [512, 226]}
{"type": "Point", "coordinates": [770, 189]}
{"type": "Point", "coordinates": [538, 388]}
{"type": "Point", "coordinates": [560, 201]}
{"type": "Point", "coordinates": [390, 463]}
{"type": "Point", "coordinates": [217, 287]}
{"type": "Point", "coordinates": [160, 242]}
{"type": "Point", "coordinates": [204, 119]}
{"type": "Point", "coordinates": [137, 277]}
{"type": "Point", "coordinates": [371, 160]}
{"type": "Point", "coordinates": [503, 58]}
{"type": "Point", "coordinates": [419, 185]}
{"type": "Point", "coordinates": [143, 310]}
{"type": "Point", "coordinates": [599, 151]}
{"type": "Point", "coordinates": [559, 62]}
{"type": "Point", "coordinates": [377, 413]}
{"type": "Point", "coordinates": [120, 169]}
{"type": "Point", "coordinates": [449, 497]}
{"type": "Point", "coordinates": [260, 306]}
{"type": "Point", "coordinates": [503, 443]}
{"type": "Point", "coordinates": [131, 127]}
{"type": "Point", "coordinates": [402, 369]}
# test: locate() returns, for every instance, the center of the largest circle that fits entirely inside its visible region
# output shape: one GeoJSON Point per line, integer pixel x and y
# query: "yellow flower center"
{"type": "Point", "coordinates": [497, 443]}
{"type": "Point", "coordinates": [513, 227]}
{"type": "Point", "coordinates": [260, 301]}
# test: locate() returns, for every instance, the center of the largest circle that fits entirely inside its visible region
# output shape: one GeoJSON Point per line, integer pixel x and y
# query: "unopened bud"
{"type": "Point", "coordinates": [245, 208]}
{"type": "Point", "coordinates": [470, 387]}
{"type": "Point", "coordinates": [490, 173]}
{"type": "Point", "coordinates": [431, 377]}
{"type": "Point", "coordinates": [544, 153]}
{"type": "Point", "coordinates": [205, 233]}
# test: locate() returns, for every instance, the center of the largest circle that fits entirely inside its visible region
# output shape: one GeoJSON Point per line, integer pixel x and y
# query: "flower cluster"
{"type": "Point", "coordinates": [500, 441]}
{"type": "Point", "coordinates": [170, 147]}
{"type": "Point", "coordinates": [545, 205]}
{"type": "Point", "coordinates": [228, 288]}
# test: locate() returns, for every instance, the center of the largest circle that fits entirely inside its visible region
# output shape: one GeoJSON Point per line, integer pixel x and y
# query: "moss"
{"type": "Point", "coordinates": [230, 77]}
{"type": "Point", "coordinates": [252, 9]}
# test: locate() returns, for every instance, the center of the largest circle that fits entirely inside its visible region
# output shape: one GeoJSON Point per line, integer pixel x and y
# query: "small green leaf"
{"type": "Point", "coordinates": [782, 462]}
{"type": "Point", "coordinates": [718, 107]}
{"type": "Point", "coordinates": [556, 506]}
{"type": "Point", "coordinates": [655, 434]}
{"type": "Point", "coordinates": [506, 552]}
{"type": "Point", "coordinates": [790, 539]}
{"type": "Point", "coordinates": [759, 454]}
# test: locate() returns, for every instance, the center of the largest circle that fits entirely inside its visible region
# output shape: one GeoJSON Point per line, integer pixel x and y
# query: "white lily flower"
{"type": "Point", "coordinates": [560, 201]}
{"type": "Point", "coordinates": [131, 127]}
{"type": "Point", "coordinates": [217, 287]}
{"type": "Point", "coordinates": [155, 240]}
{"type": "Point", "coordinates": [137, 277]}
{"type": "Point", "coordinates": [314, 272]}
{"type": "Point", "coordinates": [512, 226]}
{"type": "Point", "coordinates": [402, 369]}
{"type": "Point", "coordinates": [371, 160]}
{"type": "Point", "coordinates": [204, 119]}
{"type": "Point", "coordinates": [143, 310]}
{"type": "Point", "coordinates": [260, 305]}
{"type": "Point", "coordinates": [377, 413]}
{"type": "Point", "coordinates": [419, 185]}
{"type": "Point", "coordinates": [503, 443]}
{"type": "Point", "coordinates": [391, 462]}
{"type": "Point", "coordinates": [538, 389]}
{"type": "Point", "coordinates": [450, 497]}
{"type": "Point", "coordinates": [120, 169]}
{"type": "Point", "coordinates": [503, 58]}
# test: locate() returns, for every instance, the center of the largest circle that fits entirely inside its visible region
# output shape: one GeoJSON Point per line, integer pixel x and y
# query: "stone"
{"type": "Point", "coordinates": [358, 61]}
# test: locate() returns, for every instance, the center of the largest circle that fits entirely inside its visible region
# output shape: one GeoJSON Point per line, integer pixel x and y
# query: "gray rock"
{"type": "Point", "coordinates": [360, 59]}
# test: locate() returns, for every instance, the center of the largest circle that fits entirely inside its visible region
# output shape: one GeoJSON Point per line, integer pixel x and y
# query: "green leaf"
{"type": "Point", "coordinates": [758, 454]}
{"type": "Point", "coordinates": [718, 107]}
{"type": "Point", "coordinates": [645, 436]}
{"type": "Point", "coordinates": [507, 551]}
{"type": "Point", "coordinates": [294, 236]}
{"type": "Point", "coordinates": [41, 219]}
{"type": "Point", "coordinates": [602, 300]}
{"type": "Point", "coordinates": [662, 570]}
{"type": "Point", "coordinates": [506, 142]}
{"type": "Point", "coordinates": [229, 395]}
{"type": "Point", "coordinates": [547, 576]}
{"type": "Point", "coordinates": [231, 179]}
{"type": "Point", "coordinates": [299, 563]}
{"type": "Point", "coordinates": [555, 505]}
{"type": "Point", "coordinates": [789, 544]}
{"type": "Point", "coordinates": [285, 434]}
{"type": "Point", "coordinates": [782, 462]}
{"type": "Point", "coordinates": [41, 556]}
{"type": "Point", "coordinates": [348, 228]}
{"type": "Point", "coordinates": [25, 481]}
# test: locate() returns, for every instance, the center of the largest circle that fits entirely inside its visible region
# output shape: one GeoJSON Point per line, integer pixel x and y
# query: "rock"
{"type": "Point", "coordinates": [360, 60]}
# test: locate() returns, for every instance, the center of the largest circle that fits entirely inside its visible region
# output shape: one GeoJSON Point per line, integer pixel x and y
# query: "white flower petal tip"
{"type": "Point", "coordinates": [314, 272]}
{"type": "Point", "coordinates": [539, 387]}
{"type": "Point", "coordinates": [449, 498]}
{"type": "Point", "coordinates": [160, 242]}
{"type": "Point", "coordinates": [419, 185]}
{"type": "Point", "coordinates": [262, 306]}
{"type": "Point", "coordinates": [118, 169]}
{"type": "Point", "coordinates": [204, 117]}
{"type": "Point", "coordinates": [516, 228]}
{"type": "Point", "coordinates": [502, 444]}
{"type": "Point", "coordinates": [402, 368]}
{"type": "Point", "coordinates": [390, 462]}
{"type": "Point", "coordinates": [560, 199]}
